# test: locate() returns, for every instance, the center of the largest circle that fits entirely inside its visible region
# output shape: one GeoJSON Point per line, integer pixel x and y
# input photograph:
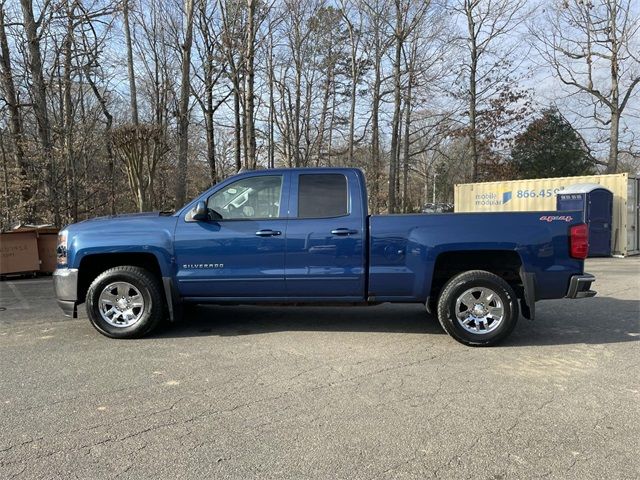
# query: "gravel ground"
{"type": "Point", "coordinates": [308, 392]}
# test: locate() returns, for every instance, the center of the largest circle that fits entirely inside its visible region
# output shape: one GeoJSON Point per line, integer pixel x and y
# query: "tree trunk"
{"type": "Point", "coordinates": [354, 90]}
{"type": "Point", "coordinates": [612, 164]}
{"type": "Point", "coordinates": [15, 122]}
{"type": "Point", "coordinates": [5, 184]}
{"type": "Point", "coordinates": [183, 113]}
{"type": "Point", "coordinates": [40, 104]}
{"type": "Point", "coordinates": [375, 115]}
{"type": "Point", "coordinates": [323, 113]}
{"type": "Point", "coordinates": [406, 145]}
{"type": "Point", "coordinates": [375, 136]}
{"type": "Point", "coordinates": [395, 126]}
{"type": "Point", "coordinates": [332, 120]}
{"type": "Point", "coordinates": [108, 140]}
{"type": "Point", "coordinates": [211, 141]}
{"type": "Point", "coordinates": [271, 127]}
{"type": "Point", "coordinates": [297, 111]}
{"type": "Point", "coordinates": [68, 118]}
{"type": "Point", "coordinates": [133, 94]}
{"type": "Point", "coordinates": [473, 91]}
{"type": "Point", "coordinates": [249, 124]}
{"type": "Point", "coordinates": [238, 129]}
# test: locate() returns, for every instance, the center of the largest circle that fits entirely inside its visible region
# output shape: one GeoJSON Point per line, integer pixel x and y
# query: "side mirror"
{"type": "Point", "coordinates": [200, 212]}
{"type": "Point", "coordinates": [213, 215]}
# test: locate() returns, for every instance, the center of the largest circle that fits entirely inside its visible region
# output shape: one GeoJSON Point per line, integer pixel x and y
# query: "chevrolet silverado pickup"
{"type": "Point", "coordinates": [305, 236]}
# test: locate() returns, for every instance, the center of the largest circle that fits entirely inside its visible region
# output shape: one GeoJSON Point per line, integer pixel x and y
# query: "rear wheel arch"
{"type": "Point", "coordinates": [506, 264]}
{"type": "Point", "coordinates": [478, 308]}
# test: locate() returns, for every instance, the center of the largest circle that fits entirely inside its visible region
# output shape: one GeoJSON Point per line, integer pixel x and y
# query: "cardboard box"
{"type": "Point", "coordinates": [47, 243]}
{"type": "Point", "coordinates": [19, 252]}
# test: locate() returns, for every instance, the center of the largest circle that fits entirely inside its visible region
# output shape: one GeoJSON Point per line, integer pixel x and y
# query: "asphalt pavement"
{"type": "Point", "coordinates": [243, 392]}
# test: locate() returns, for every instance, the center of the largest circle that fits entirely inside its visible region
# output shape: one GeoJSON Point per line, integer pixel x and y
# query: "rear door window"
{"type": "Point", "coordinates": [322, 196]}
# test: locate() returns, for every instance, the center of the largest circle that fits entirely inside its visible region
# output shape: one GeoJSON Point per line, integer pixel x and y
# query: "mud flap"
{"type": "Point", "coordinates": [528, 301]}
{"type": "Point", "coordinates": [174, 305]}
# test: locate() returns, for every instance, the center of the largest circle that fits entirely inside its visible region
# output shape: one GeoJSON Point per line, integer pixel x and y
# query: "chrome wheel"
{"type": "Point", "coordinates": [121, 304]}
{"type": "Point", "coordinates": [479, 310]}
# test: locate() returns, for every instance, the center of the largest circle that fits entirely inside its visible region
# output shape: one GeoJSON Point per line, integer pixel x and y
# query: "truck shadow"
{"type": "Point", "coordinates": [598, 320]}
{"type": "Point", "coordinates": [259, 319]}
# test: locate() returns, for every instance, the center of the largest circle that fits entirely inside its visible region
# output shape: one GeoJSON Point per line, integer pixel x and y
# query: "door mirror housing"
{"type": "Point", "coordinates": [200, 212]}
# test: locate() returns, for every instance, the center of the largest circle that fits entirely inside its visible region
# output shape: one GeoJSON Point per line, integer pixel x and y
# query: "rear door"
{"type": "Point", "coordinates": [326, 234]}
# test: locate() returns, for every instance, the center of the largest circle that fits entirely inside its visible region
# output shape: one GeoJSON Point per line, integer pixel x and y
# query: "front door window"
{"type": "Point", "coordinates": [252, 198]}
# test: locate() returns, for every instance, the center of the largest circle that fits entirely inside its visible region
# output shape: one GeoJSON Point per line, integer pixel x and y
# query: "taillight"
{"type": "Point", "coordinates": [579, 241]}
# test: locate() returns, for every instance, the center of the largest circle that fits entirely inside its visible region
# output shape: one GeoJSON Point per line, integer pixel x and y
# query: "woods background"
{"type": "Point", "coordinates": [112, 106]}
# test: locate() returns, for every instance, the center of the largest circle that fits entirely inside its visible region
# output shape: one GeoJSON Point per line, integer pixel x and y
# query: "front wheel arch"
{"type": "Point", "coordinates": [91, 266]}
{"type": "Point", "coordinates": [148, 294]}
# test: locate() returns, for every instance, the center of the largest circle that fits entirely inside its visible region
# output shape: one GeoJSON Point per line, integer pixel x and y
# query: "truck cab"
{"type": "Point", "coordinates": [276, 235]}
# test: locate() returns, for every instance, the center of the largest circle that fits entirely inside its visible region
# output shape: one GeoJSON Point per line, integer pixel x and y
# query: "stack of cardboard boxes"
{"type": "Point", "coordinates": [28, 250]}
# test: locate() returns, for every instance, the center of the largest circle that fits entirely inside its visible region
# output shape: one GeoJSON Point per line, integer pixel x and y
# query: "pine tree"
{"type": "Point", "coordinates": [550, 147]}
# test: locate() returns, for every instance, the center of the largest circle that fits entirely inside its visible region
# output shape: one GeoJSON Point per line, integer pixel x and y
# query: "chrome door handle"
{"type": "Point", "coordinates": [343, 231]}
{"type": "Point", "coordinates": [268, 233]}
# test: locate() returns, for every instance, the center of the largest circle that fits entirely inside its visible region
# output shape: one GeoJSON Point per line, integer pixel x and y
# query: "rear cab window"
{"type": "Point", "coordinates": [322, 195]}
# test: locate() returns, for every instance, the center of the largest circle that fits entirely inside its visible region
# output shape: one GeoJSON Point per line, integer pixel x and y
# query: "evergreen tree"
{"type": "Point", "coordinates": [550, 147]}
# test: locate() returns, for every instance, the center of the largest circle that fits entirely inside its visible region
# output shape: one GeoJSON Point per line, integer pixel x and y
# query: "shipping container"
{"type": "Point", "coordinates": [540, 194]}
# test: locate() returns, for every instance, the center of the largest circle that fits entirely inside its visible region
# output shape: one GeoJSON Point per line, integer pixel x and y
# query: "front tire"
{"type": "Point", "coordinates": [125, 302]}
{"type": "Point", "coordinates": [478, 308]}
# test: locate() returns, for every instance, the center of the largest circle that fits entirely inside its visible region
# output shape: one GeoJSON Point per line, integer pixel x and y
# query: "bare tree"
{"type": "Point", "coordinates": [133, 94]}
{"type": "Point", "coordinates": [487, 22]}
{"type": "Point", "coordinates": [407, 18]}
{"type": "Point", "coordinates": [271, 119]}
{"type": "Point", "coordinates": [140, 149]}
{"type": "Point", "coordinates": [378, 42]}
{"type": "Point", "coordinates": [354, 23]}
{"type": "Point", "coordinates": [410, 62]}
{"type": "Point", "coordinates": [330, 53]}
{"type": "Point", "coordinates": [249, 80]}
{"type": "Point", "coordinates": [15, 118]}
{"type": "Point", "coordinates": [593, 49]}
{"type": "Point", "coordinates": [231, 13]}
{"type": "Point", "coordinates": [39, 97]}
{"type": "Point", "coordinates": [403, 89]}
{"type": "Point", "coordinates": [183, 107]}
{"type": "Point", "coordinates": [210, 73]}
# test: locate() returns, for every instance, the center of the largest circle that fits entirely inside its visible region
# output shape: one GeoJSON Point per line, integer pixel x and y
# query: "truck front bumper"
{"type": "Point", "coordinates": [65, 284]}
{"type": "Point", "coordinates": [579, 286]}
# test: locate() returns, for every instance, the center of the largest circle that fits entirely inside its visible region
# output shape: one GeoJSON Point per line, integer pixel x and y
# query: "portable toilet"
{"type": "Point", "coordinates": [596, 204]}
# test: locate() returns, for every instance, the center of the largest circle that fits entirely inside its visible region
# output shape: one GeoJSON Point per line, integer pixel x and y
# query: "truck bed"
{"type": "Point", "coordinates": [403, 249]}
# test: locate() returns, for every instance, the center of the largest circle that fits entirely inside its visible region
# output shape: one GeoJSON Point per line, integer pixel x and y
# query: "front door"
{"type": "Point", "coordinates": [242, 253]}
{"type": "Point", "coordinates": [325, 237]}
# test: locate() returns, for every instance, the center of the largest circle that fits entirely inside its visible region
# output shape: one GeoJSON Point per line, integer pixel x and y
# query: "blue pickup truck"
{"type": "Point", "coordinates": [305, 236]}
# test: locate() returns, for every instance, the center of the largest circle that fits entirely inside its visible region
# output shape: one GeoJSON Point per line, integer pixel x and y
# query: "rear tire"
{"type": "Point", "coordinates": [478, 308]}
{"type": "Point", "coordinates": [125, 302]}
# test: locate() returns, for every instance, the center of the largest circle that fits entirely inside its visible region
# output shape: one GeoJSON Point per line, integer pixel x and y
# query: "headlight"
{"type": "Point", "coordinates": [61, 249]}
